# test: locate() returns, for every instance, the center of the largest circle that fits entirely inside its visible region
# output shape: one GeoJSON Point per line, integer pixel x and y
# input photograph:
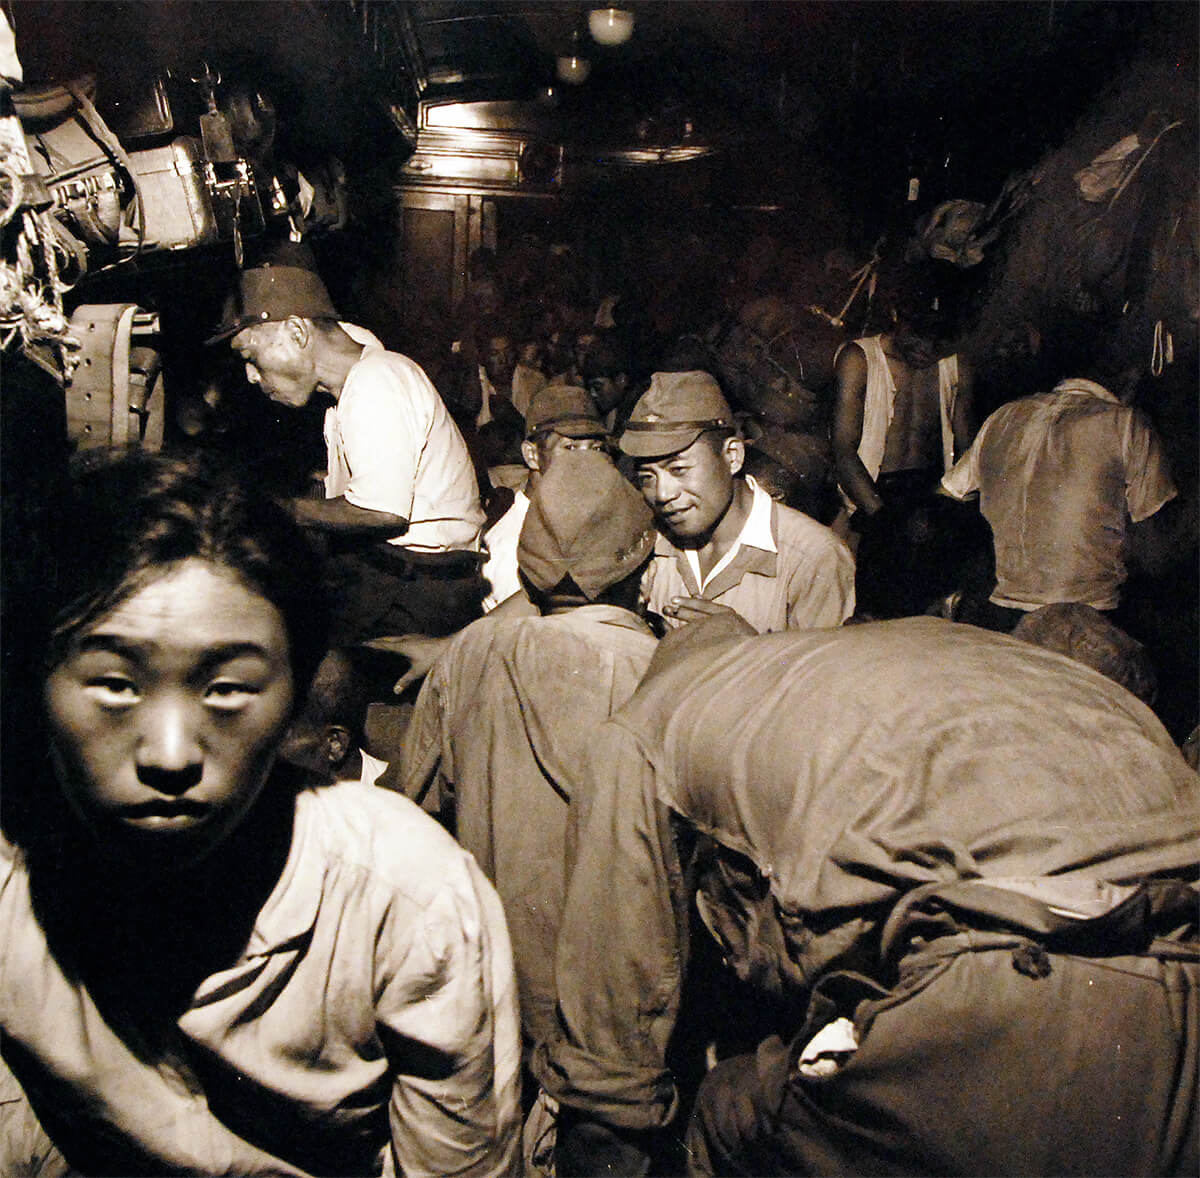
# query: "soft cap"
{"type": "Point", "coordinates": [565, 409]}
{"type": "Point", "coordinates": [584, 521]}
{"type": "Point", "coordinates": [673, 412]}
{"type": "Point", "coordinates": [271, 293]}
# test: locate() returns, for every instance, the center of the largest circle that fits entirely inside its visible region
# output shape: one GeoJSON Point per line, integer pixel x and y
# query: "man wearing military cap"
{"type": "Point", "coordinates": [724, 542]}
{"type": "Point", "coordinates": [560, 419]}
{"type": "Point", "coordinates": [401, 508]}
{"type": "Point", "coordinates": [500, 726]}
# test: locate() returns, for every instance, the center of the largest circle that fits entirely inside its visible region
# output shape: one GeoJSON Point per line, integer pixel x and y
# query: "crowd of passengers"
{"type": "Point", "coordinates": [751, 802]}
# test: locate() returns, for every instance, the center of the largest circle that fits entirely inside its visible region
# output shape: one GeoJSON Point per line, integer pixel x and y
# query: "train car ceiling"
{"type": "Point", "coordinates": [425, 124]}
{"type": "Point", "coordinates": [365, 78]}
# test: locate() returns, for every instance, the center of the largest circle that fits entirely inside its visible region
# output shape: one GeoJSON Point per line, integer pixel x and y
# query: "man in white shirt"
{"type": "Point", "coordinates": [401, 509]}
{"type": "Point", "coordinates": [723, 543]}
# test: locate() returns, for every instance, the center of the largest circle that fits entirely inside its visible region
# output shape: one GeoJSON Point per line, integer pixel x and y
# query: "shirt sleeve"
{"type": "Point", "coordinates": [384, 420]}
{"type": "Point", "coordinates": [963, 477]}
{"type": "Point", "coordinates": [423, 769]}
{"type": "Point", "coordinates": [618, 965]}
{"type": "Point", "coordinates": [447, 1014]}
{"type": "Point", "coordinates": [1148, 483]}
{"type": "Point", "coordinates": [824, 595]}
{"type": "Point", "coordinates": [25, 1147]}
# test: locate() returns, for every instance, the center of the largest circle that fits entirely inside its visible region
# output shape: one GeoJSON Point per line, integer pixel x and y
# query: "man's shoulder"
{"type": "Point", "coordinates": [853, 353]}
{"type": "Point", "coordinates": [607, 627]}
{"type": "Point", "coordinates": [380, 372]}
{"type": "Point", "coordinates": [793, 528]}
{"type": "Point", "coordinates": [533, 641]}
{"type": "Point", "coordinates": [1014, 413]}
{"type": "Point", "coordinates": [377, 832]}
{"type": "Point", "coordinates": [1045, 409]}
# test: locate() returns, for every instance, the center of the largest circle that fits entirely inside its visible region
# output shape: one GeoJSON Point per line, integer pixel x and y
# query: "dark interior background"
{"type": "Point", "coordinates": [812, 117]}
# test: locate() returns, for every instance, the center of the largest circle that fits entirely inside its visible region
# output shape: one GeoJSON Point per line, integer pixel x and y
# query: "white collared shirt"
{"type": "Point", "coordinates": [755, 533]}
{"type": "Point", "coordinates": [786, 571]}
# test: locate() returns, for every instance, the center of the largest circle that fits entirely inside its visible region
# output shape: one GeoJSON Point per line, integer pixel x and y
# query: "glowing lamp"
{"type": "Point", "coordinates": [573, 69]}
{"type": "Point", "coordinates": [610, 26]}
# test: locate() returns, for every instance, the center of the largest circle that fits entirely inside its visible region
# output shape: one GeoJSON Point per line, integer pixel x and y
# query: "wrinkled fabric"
{"type": "Point", "coordinates": [498, 733]}
{"type": "Point", "coordinates": [381, 938]}
{"type": "Point", "coordinates": [848, 767]}
{"type": "Point", "coordinates": [979, 1069]}
{"type": "Point", "coordinates": [26, 1150]}
{"type": "Point", "coordinates": [500, 540]}
{"type": "Point", "coordinates": [1058, 476]}
{"type": "Point", "coordinates": [827, 1050]}
{"type": "Point", "coordinates": [949, 232]}
{"type": "Point", "coordinates": [587, 522]}
{"type": "Point", "coordinates": [1104, 175]}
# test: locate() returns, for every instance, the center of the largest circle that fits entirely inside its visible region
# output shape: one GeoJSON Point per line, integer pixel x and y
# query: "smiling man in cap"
{"type": "Point", "coordinates": [724, 542]}
{"type": "Point", "coordinates": [402, 509]}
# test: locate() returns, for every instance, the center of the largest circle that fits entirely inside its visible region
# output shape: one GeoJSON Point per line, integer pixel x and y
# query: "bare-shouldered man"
{"type": "Point", "coordinates": [903, 414]}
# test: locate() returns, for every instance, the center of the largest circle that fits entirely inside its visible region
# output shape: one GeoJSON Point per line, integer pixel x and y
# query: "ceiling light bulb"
{"type": "Point", "coordinates": [574, 69]}
{"type": "Point", "coordinates": [610, 26]}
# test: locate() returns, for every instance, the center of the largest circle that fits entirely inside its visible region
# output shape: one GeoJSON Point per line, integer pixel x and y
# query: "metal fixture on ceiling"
{"type": "Point", "coordinates": [392, 53]}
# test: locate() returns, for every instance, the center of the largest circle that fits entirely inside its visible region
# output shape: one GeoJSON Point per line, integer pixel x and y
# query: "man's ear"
{"type": "Point", "coordinates": [337, 744]}
{"type": "Point", "coordinates": [529, 452]}
{"type": "Point", "coordinates": [734, 451]}
{"type": "Point", "coordinates": [300, 330]}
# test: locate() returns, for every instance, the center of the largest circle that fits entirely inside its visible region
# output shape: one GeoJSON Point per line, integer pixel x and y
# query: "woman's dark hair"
{"type": "Point", "coordinates": [131, 515]}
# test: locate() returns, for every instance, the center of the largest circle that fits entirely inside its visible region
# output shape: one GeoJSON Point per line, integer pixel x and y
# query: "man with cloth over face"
{"type": "Point", "coordinates": [499, 731]}
{"type": "Point", "coordinates": [559, 418]}
{"type": "Point", "coordinates": [724, 542]}
{"type": "Point", "coordinates": [401, 512]}
{"type": "Point", "coordinates": [973, 901]}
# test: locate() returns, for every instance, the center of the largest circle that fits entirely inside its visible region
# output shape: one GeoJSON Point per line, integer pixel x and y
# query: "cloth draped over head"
{"type": "Point", "coordinates": [587, 522]}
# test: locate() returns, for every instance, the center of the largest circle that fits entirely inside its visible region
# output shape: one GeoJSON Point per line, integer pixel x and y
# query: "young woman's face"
{"type": "Point", "coordinates": [165, 714]}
